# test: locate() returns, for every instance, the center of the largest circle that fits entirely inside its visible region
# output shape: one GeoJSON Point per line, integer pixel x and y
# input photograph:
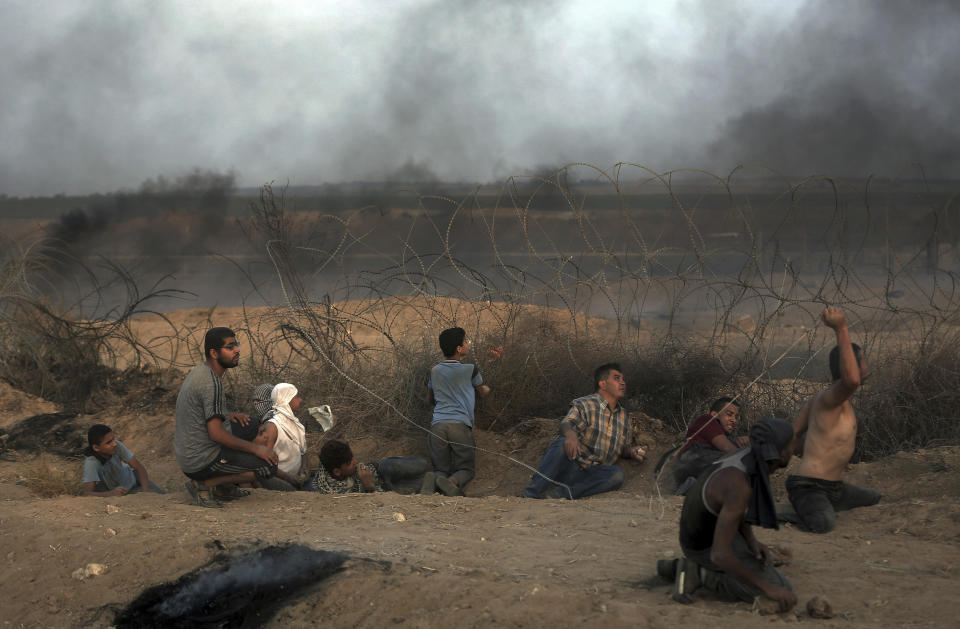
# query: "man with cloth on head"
{"type": "Point", "coordinates": [716, 535]}
{"type": "Point", "coordinates": [262, 407]}
{"type": "Point", "coordinates": [288, 438]}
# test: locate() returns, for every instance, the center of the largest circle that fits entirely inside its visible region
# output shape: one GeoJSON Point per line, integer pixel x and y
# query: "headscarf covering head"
{"type": "Point", "coordinates": [768, 438]}
{"type": "Point", "coordinates": [283, 415]}
{"type": "Point", "coordinates": [262, 401]}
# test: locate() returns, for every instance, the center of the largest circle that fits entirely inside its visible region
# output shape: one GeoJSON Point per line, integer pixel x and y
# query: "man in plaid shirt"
{"type": "Point", "coordinates": [593, 435]}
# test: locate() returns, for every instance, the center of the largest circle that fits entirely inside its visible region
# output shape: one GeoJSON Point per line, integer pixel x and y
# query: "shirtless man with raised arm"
{"type": "Point", "coordinates": [828, 427]}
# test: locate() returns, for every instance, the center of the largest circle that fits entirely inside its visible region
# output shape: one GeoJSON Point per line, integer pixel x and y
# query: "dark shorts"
{"type": "Point", "coordinates": [817, 501]}
{"type": "Point", "coordinates": [234, 462]}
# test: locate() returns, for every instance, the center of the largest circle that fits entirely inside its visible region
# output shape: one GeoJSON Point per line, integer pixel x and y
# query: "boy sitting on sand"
{"type": "Point", "coordinates": [110, 469]}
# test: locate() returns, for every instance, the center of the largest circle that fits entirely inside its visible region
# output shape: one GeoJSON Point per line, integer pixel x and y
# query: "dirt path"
{"type": "Point", "coordinates": [482, 561]}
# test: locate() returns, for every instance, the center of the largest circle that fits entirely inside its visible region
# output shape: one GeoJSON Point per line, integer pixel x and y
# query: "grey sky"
{"type": "Point", "coordinates": [99, 96]}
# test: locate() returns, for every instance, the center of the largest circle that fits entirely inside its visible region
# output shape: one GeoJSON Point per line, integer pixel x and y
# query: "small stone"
{"type": "Point", "coordinates": [765, 606]}
{"type": "Point", "coordinates": [399, 517]}
{"type": "Point", "coordinates": [819, 607]}
{"type": "Point", "coordinates": [633, 523]}
{"type": "Point", "coordinates": [111, 532]}
{"type": "Point", "coordinates": [113, 509]}
{"type": "Point", "coordinates": [90, 570]}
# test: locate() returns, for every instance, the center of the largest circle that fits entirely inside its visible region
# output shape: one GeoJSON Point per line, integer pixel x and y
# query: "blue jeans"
{"type": "Point", "coordinates": [581, 482]}
{"type": "Point", "coordinates": [402, 474]}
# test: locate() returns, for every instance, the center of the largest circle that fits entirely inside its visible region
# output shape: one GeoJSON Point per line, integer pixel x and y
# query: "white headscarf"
{"type": "Point", "coordinates": [291, 435]}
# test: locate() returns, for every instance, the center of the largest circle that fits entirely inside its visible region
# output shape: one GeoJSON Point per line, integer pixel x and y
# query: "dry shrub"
{"type": "Point", "coordinates": [534, 367]}
{"type": "Point", "coordinates": [59, 351]}
{"type": "Point", "coordinates": [368, 391]}
{"type": "Point", "coordinates": [49, 355]}
{"type": "Point", "coordinates": [49, 477]}
{"type": "Point", "coordinates": [911, 398]}
{"type": "Point", "coordinates": [676, 380]}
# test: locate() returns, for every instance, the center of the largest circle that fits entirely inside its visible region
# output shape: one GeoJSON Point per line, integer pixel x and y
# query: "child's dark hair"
{"type": "Point", "coordinates": [721, 402]}
{"type": "Point", "coordinates": [835, 359]}
{"type": "Point", "coordinates": [214, 339]}
{"type": "Point", "coordinates": [603, 372]}
{"type": "Point", "coordinates": [96, 434]}
{"type": "Point", "coordinates": [335, 453]}
{"type": "Point", "coordinates": [450, 340]}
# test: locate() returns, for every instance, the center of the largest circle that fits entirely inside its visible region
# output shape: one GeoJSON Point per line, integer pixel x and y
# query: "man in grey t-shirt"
{"type": "Point", "coordinates": [206, 450]}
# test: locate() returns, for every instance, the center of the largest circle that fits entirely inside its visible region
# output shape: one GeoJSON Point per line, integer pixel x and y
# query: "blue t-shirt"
{"type": "Point", "coordinates": [114, 473]}
{"type": "Point", "coordinates": [452, 383]}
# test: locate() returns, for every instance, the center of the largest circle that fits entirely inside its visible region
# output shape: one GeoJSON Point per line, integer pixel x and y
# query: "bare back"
{"type": "Point", "coordinates": [830, 439]}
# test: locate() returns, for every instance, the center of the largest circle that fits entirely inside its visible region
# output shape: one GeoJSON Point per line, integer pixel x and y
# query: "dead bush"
{"type": "Point", "coordinates": [49, 477]}
{"type": "Point", "coordinates": [66, 352]}
{"type": "Point", "coordinates": [911, 399]}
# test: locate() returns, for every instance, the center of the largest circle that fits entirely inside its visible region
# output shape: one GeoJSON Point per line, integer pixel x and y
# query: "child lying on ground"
{"type": "Point", "coordinates": [340, 473]}
{"type": "Point", "coordinates": [110, 469]}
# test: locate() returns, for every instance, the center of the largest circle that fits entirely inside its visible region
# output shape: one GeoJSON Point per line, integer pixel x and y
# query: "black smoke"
{"type": "Point", "coordinates": [162, 219]}
{"type": "Point", "coordinates": [864, 87]}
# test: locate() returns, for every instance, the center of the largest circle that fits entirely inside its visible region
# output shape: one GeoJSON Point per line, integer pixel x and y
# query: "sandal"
{"type": "Point", "coordinates": [686, 580]}
{"type": "Point", "coordinates": [221, 493]}
{"type": "Point", "coordinates": [203, 495]}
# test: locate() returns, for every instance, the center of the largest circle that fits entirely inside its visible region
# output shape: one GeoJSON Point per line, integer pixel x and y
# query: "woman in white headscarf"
{"type": "Point", "coordinates": [285, 434]}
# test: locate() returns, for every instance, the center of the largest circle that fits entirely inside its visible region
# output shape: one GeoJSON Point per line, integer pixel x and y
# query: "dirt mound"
{"type": "Point", "coordinates": [56, 433]}
{"type": "Point", "coordinates": [16, 405]}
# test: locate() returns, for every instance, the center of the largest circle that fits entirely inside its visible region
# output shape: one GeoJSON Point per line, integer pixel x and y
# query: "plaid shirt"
{"type": "Point", "coordinates": [323, 482]}
{"type": "Point", "coordinates": [602, 433]}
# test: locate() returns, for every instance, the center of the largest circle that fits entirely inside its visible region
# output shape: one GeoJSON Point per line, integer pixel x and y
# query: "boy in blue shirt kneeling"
{"type": "Point", "coordinates": [453, 389]}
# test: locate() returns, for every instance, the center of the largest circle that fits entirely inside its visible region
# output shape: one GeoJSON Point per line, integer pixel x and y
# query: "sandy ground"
{"type": "Point", "coordinates": [489, 559]}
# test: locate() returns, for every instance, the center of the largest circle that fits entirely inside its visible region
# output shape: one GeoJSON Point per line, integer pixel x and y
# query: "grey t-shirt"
{"type": "Point", "coordinates": [201, 398]}
{"type": "Point", "coordinates": [114, 473]}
